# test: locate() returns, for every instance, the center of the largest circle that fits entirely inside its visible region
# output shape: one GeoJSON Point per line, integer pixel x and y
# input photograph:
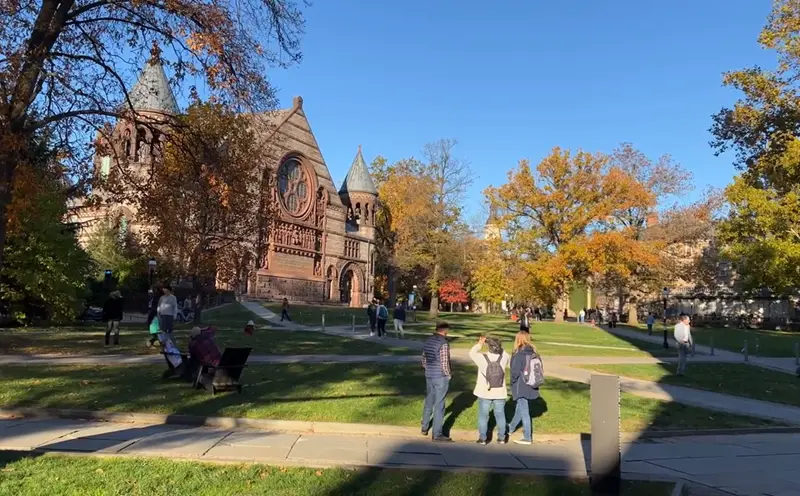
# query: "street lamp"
{"type": "Point", "coordinates": [412, 301]}
{"type": "Point", "coordinates": [151, 269]}
{"type": "Point", "coordinates": [665, 297]}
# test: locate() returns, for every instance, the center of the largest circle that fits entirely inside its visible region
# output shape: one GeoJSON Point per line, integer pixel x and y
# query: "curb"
{"type": "Point", "coordinates": [342, 428]}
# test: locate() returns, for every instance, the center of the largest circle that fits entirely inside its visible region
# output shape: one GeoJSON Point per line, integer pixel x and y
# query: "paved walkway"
{"type": "Point", "coordinates": [780, 364]}
{"type": "Point", "coordinates": [725, 462]}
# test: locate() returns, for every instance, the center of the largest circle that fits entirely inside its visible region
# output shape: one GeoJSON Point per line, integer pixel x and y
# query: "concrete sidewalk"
{"type": "Point", "coordinates": [725, 462]}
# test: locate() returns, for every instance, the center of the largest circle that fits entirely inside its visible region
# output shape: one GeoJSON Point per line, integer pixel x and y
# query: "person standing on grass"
{"type": "Point", "coordinates": [372, 315]}
{"type": "Point", "coordinates": [614, 319]}
{"type": "Point", "coordinates": [651, 320]}
{"type": "Point", "coordinates": [285, 310]}
{"type": "Point", "coordinates": [582, 316]}
{"type": "Point", "coordinates": [399, 318]}
{"type": "Point", "coordinates": [490, 386]}
{"type": "Point", "coordinates": [112, 315]}
{"type": "Point", "coordinates": [527, 374]}
{"type": "Point", "coordinates": [167, 310]}
{"type": "Point", "coordinates": [436, 362]}
{"type": "Point", "coordinates": [383, 316]}
{"type": "Point", "coordinates": [683, 336]}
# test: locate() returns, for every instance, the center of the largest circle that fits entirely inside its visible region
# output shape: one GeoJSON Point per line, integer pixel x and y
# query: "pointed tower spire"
{"type": "Point", "coordinates": [152, 92]}
{"type": "Point", "coordinates": [358, 179]}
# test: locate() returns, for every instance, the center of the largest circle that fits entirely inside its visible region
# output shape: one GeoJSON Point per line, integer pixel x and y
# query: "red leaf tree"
{"type": "Point", "coordinates": [452, 291]}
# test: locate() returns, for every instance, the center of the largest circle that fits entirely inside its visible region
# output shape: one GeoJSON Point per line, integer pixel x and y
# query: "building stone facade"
{"type": "Point", "coordinates": [321, 241]}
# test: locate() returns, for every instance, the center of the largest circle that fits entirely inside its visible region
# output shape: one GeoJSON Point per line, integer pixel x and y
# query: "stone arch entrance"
{"type": "Point", "coordinates": [350, 285]}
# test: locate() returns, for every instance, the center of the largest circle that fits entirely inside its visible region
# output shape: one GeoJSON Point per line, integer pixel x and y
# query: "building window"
{"type": "Point", "coordinates": [293, 186]}
{"type": "Point", "coordinates": [105, 166]}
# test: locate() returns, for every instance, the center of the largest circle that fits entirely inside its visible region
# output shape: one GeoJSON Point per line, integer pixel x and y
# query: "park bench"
{"type": "Point", "coordinates": [227, 375]}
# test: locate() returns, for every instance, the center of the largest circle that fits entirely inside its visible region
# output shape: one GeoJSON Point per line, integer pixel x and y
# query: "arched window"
{"type": "Point", "coordinates": [294, 186]}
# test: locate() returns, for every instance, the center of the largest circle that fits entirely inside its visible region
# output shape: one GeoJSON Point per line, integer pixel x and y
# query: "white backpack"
{"type": "Point", "coordinates": [533, 375]}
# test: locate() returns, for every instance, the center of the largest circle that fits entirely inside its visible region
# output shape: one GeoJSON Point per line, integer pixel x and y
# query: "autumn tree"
{"type": "Point", "coordinates": [46, 270]}
{"type": "Point", "coordinates": [760, 233]}
{"type": "Point", "coordinates": [452, 291]}
{"type": "Point", "coordinates": [554, 211]}
{"type": "Point", "coordinates": [450, 178]}
{"type": "Point", "coordinates": [65, 66]}
{"type": "Point", "coordinates": [204, 209]}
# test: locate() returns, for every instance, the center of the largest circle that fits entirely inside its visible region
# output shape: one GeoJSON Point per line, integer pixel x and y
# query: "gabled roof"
{"type": "Point", "coordinates": [358, 178]}
{"type": "Point", "coordinates": [152, 91]}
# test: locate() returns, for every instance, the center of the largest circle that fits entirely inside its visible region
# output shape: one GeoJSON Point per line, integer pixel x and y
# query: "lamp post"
{"type": "Point", "coordinates": [665, 297]}
{"type": "Point", "coordinates": [412, 301]}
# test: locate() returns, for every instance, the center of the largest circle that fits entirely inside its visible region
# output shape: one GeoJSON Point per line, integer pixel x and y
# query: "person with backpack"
{"type": "Point", "coordinates": [372, 315]}
{"type": "Point", "coordinates": [383, 315]}
{"type": "Point", "coordinates": [490, 386]}
{"type": "Point", "coordinates": [399, 319]}
{"type": "Point", "coordinates": [527, 375]}
{"type": "Point", "coordinates": [112, 315]}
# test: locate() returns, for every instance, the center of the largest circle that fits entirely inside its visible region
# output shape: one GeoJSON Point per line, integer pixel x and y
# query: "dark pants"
{"type": "Point", "coordinates": [166, 323]}
{"type": "Point", "coordinates": [436, 392]}
{"type": "Point", "coordinates": [113, 326]}
{"type": "Point", "coordinates": [285, 315]}
{"type": "Point", "coordinates": [612, 324]}
{"type": "Point", "coordinates": [381, 327]}
{"type": "Point", "coordinates": [650, 329]}
{"type": "Point", "coordinates": [372, 324]}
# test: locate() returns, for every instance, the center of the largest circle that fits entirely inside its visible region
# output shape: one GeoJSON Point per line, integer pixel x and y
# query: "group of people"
{"type": "Point", "coordinates": [527, 375]}
{"type": "Point", "coordinates": [378, 315]}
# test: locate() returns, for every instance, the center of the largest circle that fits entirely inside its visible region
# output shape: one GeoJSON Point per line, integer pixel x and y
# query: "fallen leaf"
{"type": "Point", "coordinates": [318, 473]}
{"type": "Point", "coordinates": [99, 471]}
{"type": "Point", "coordinates": [263, 475]}
{"type": "Point", "coordinates": [282, 469]}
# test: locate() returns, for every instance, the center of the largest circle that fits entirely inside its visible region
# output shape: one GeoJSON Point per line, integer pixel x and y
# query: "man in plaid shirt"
{"type": "Point", "coordinates": [436, 362]}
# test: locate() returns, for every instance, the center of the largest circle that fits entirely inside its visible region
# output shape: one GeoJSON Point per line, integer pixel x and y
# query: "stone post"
{"type": "Point", "coordinates": [606, 460]}
{"type": "Point", "coordinates": [711, 343]}
{"type": "Point", "coordinates": [353, 324]}
{"type": "Point", "coordinates": [746, 358]}
{"type": "Point", "coordinates": [323, 322]}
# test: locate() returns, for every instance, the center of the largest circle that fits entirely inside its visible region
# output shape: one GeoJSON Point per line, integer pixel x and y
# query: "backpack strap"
{"type": "Point", "coordinates": [500, 357]}
{"type": "Point", "coordinates": [486, 357]}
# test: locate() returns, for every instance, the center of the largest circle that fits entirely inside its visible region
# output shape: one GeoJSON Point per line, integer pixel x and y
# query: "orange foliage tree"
{"type": "Point", "coordinates": [560, 214]}
{"type": "Point", "coordinates": [452, 291]}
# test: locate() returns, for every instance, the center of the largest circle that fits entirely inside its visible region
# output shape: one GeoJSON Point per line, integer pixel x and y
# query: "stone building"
{"type": "Point", "coordinates": [321, 240]}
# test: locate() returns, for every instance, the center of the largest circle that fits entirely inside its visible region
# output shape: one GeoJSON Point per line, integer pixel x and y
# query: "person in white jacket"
{"type": "Point", "coordinates": [683, 336]}
{"type": "Point", "coordinates": [167, 310]}
{"type": "Point", "coordinates": [490, 386]}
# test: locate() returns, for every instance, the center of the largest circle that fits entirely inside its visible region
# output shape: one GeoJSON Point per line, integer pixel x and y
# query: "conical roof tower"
{"type": "Point", "coordinates": [152, 92]}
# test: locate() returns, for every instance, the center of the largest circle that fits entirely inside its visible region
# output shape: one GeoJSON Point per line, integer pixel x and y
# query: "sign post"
{"type": "Point", "coordinates": [606, 458]}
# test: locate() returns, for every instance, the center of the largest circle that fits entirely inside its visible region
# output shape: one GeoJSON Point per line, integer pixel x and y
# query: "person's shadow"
{"type": "Point", "coordinates": [461, 403]}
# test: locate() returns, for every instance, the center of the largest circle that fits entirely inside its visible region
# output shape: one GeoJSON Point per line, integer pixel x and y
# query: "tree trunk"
{"type": "Point", "coordinates": [451, 307]}
{"type": "Point", "coordinates": [561, 305]}
{"type": "Point", "coordinates": [434, 310]}
{"type": "Point", "coordinates": [392, 284]}
{"type": "Point", "coordinates": [633, 314]}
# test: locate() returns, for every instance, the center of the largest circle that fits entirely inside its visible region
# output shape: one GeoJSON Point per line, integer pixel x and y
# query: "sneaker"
{"type": "Point", "coordinates": [371, 334]}
{"type": "Point", "coordinates": [442, 439]}
{"type": "Point", "coordinates": [482, 442]}
{"type": "Point", "coordinates": [523, 442]}
{"type": "Point", "coordinates": [502, 440]}
{"type": "Point", "coordinates": [425, 431]}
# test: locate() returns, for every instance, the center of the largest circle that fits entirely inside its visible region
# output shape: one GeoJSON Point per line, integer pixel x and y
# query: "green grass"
{"type": "Point", "coordinates": [229, 321]}
{"type": "Point", "coordinates": [736, 379]}
{"type": "Point", "coordinates": [770, 343]}
{"type": "Point", "coordinates": [24, 475]}
{"type": "Point", "coordinates": [364, 393]}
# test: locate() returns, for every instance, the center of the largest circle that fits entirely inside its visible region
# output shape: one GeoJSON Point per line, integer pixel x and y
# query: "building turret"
{"type": "Point", "coordinates": [359, 195]}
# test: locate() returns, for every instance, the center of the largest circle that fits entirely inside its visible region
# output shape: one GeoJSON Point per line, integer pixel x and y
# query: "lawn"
{"type": "Point", "coordinates": [365, 393]}
{"type": "Point", "coordinates": [24, 475]}
{"type": "Point", "coordinates": [770, 343]}
{"type": "Point", "coordinates": [229, 321]}
{"type": "Point", "coordinates": [736, 379]}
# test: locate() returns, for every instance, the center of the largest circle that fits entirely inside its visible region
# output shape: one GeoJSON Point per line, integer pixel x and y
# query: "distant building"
{"type": "Point", "coordinates": [321, 247]}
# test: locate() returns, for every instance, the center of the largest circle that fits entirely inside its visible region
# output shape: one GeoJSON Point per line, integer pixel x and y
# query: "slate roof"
{"type": "Point", "coordinates": [358, 179]}
{"type": "Point", "coordinates": [152, 91]}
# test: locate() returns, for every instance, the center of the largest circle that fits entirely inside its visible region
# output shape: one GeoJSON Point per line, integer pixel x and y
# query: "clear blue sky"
{"type": "Point", "coordinates": [512, 79]}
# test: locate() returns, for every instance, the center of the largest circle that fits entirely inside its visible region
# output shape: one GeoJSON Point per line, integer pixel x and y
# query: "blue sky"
{"type": "Point", "coordinates": [512, 79]}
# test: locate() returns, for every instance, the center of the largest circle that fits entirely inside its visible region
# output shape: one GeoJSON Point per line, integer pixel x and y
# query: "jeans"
{"type": "Point", "coordinates": [649, 329]}
{"type": "Point", "coordinates": [285, 315]}
{"type": "Point", "coordinates": [381, 327]}
{"type": "Point", "coordinates": [683, 353]}
{"type": "Point", "coordinates": [581, 319]}
{"type": "Point", "coordinates": [484, 406]}
{"type": "Point", "coordinates": [522, 414]}
{"type": "Point", "coordinates": [398, 325]}
{"type": "Point", "coordinates": [166, 323]}
{"type": "Point", "coordinates": [436, 391]}
{"type": "Point", "coordinates": [113, 326]}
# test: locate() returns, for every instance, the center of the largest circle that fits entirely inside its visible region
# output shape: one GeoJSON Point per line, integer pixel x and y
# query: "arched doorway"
{"type": "Point", "coordinates": [350, 287]}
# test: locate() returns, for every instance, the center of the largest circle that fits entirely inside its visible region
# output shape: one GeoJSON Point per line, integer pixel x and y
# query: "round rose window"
{"type": "Point", "coordinates": [293, 186]}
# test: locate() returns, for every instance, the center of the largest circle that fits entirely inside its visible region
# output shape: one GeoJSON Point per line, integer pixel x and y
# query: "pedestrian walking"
{"type": "Point", "coordinates": [285, 310]}
{"type": "Point", "coordinates": [651, 320]}
{"type": "Point", "coordinates": [490, 386]}
{"type": "Point", "coordinates": [372, 315]}
{"type": "Point", "coordinates": [399, 316]}
{"type": "Point", "coordinates": [582, 316]}
{"type": "Point", "coordinates": [383, 316]}
{"type": "Point", "coordinates": [112, 315]}
{"type": "Point", "coordinates": [167, 310]}
{"type": "Point", "coordinates": [527, 375]}
{"type": "Point", "coordinates": [683, 336]}
{"type": "Point", "coordinates": [436, 362]}
{"type": "Point", "coordinates": [614, 320]}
